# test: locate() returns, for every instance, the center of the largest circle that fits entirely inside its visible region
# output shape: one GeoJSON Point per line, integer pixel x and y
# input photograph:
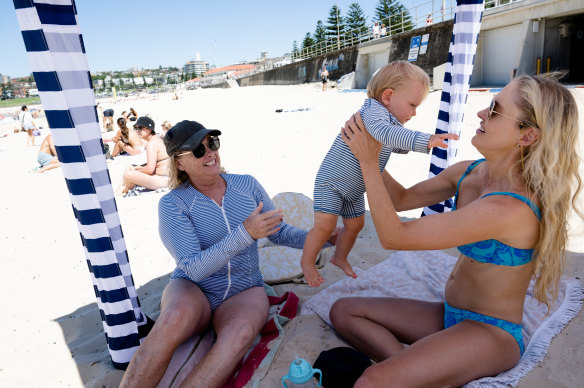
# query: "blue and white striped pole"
{"type": "Point", "coordinates": [54, 44]}
{"type": "Point", "coordinates": [463, 46]}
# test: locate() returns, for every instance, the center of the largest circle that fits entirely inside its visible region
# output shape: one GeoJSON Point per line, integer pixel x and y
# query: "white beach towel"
{"type": "Point", "coordinates": [423, 275]}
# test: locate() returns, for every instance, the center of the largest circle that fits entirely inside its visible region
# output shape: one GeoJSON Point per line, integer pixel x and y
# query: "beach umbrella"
{"type": "Point", "coordinates": [461, 54]}
{"type": "Point", "coordinates": [54, 44]}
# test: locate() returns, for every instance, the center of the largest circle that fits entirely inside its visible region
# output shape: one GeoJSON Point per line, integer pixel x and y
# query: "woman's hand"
{"type": "Point", "coordinates": [260, 225]}
{"type": "Point", "coordinates": [362, 144]}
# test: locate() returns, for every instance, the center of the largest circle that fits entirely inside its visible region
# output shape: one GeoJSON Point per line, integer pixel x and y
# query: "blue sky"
{"type": "Point", "coordinates": [146, 33]}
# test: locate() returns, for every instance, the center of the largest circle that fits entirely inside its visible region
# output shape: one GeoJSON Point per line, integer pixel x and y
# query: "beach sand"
{"type": "Point", "coordinates": [52, 332]}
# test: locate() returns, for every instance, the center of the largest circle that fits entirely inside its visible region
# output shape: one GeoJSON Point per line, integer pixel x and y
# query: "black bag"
{"type": "Point", "coordinates": [341, 367]}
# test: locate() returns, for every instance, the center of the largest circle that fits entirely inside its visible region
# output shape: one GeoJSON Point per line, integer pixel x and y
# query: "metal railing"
{"type": "Point", "coordinates": [424, 14]}
{"type": "Point", "coordinates": [430, 12]}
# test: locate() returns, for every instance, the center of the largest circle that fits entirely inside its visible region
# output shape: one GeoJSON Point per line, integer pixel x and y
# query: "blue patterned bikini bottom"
{"type": "Point", "coordinates": [452, 316]}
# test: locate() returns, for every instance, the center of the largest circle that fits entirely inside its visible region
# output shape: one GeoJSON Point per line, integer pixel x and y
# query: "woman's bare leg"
{"type": "Point", "coordinates": [185, 311]}
{"type": "Point", "coordinates": [379, 326]}
{"type": "Point", "coordinates": [237, 322]}
{"type": "Point", "coordinates": [449, 358]}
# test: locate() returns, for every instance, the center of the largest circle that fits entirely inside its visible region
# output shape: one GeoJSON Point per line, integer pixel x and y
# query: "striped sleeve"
{"type": "Point", "coordinates": [387, 130]}
{"type": "Point", "coordinates": [178, 236]}
{"type": "Point", "coordinates": [288, 235]}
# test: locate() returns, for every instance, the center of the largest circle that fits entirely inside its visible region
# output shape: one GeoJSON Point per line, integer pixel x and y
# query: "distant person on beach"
{"type": "Point", "coordinates": [510, 224]}
{"type": "Point", "coordinates": [126, 141]}
{"type": "Point", "coordinates": [154, 174]}
{"type": "Point", "coordinates": [47, 156]}
{"type": "Point", "coordinates": [27, 124]}
{"type": "Point", "coordinates": [383, 31]}
{"type": "Point", "coordinates": [394, 93]}
{"type": "Point", "coordinates": [210, 223]}
{"type": "Point", "coordinates": [375, 30]}
{"type": "Point", "coordinates": [165, 128]}
{"type": "Point", "coordinates": [132, 115]}
{"type": "Point", "coordinates": [324, 77]}
{"type": "Point", "coordinates": [108, 119]}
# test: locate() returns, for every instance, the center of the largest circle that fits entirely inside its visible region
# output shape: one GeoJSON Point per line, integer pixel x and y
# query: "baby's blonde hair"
{"type": "Point", "coordinates": [393, 76]}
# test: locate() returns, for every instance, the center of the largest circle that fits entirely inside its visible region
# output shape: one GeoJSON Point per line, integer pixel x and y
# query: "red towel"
{"type": "Point", "coordinates": [193, 350]}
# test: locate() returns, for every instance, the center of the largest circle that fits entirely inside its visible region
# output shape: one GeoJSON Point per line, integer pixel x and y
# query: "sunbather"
{"type": "Point", "coordinates": [154, 174]}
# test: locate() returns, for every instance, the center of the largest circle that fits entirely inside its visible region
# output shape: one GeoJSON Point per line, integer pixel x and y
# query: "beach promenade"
{"type": "Point", "coordinates": [52, 332]}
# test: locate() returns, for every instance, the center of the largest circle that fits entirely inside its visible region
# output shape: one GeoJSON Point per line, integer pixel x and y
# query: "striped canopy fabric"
{"type": "Point", "coordinates": [56, 52]}
{"type": "Point", "coordinates": [463, 45]}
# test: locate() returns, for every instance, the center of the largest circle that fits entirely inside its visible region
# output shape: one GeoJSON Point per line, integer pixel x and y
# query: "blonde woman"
{"type": "Point", "coordinates": [210, 223]}
{"type": "Point", "coordinates": [509, 224]}
{"type": "Point", "coordinates": [165, 127]}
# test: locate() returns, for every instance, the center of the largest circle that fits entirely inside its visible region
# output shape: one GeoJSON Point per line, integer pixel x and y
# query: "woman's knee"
{"type": "Point", "coordinates": [340, 312]}
{"type": "Point", "coordinates": [372, 377]}
{"type": "Point", "coordinates": [179, 318]}
{"type": "Point", "coordinates": [238, 337]}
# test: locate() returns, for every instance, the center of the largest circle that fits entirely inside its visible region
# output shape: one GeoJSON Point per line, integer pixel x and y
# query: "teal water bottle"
{"type": "Point", "coordinates": [301, 374]}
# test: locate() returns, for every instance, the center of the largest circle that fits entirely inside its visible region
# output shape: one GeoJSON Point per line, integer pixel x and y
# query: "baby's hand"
{"type": "Point", "coordinates": [437, 140]}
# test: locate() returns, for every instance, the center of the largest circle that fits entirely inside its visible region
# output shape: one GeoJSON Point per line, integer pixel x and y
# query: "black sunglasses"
{"type": "Point", "coordinates": [138, 128]}
{"type": "Point", "coordinates": [213, 144]}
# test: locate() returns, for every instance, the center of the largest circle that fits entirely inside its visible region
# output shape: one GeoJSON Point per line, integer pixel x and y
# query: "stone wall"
{"type": "Point", "coordinates": [338, 63]}
{"type": "Point", "coordinates": [342, 62]}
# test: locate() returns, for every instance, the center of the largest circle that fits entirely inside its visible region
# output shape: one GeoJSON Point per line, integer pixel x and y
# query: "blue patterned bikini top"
{"type": "Point", "coordinates": [493, 251]}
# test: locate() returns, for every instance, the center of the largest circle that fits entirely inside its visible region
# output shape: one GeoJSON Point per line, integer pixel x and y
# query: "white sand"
{"type": "Point", "coordinates": [51, 331]}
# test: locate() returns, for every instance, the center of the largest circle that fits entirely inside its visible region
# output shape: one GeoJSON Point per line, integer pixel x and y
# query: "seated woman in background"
{"type": "Point", "coordinates": [154, 174]}
{"type": "Point", "coordinates": [165, 127]}
{"type": "Point", "coordinates": [126, 141]}
{"type": "Point", "coordinates": [509, 222]}
{"type": "Point", "coordinates": [132, 115]}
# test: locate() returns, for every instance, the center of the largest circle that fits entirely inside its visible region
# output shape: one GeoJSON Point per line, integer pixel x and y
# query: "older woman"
{"type": "Point", "coordinates": [509, 224]}
{"type": "Point", "coordinates": [210, 223]}
{"type": "Point", "coordinates": [154, 174]}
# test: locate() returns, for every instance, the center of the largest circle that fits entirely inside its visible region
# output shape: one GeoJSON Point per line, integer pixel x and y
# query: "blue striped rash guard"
{"type": "Point", "coordinates": [208, 241]}
{"type": "Point", "coordinates": [341, 170]}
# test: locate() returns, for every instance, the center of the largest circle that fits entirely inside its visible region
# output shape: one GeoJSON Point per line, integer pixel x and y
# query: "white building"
{"type": "Point", "coordinates": [196, 67]}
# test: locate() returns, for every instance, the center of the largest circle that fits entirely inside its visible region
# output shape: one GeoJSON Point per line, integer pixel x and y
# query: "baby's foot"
{"type": "Point", "coordinates": [345, 266]}
{"type": "Point", "coordinates": [311, 275]}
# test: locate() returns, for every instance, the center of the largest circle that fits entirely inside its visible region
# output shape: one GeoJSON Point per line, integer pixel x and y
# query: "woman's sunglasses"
{"type": "Point", "coordinates": [492, 110]}
{"type": "Point", "coordinates": [213, 144]}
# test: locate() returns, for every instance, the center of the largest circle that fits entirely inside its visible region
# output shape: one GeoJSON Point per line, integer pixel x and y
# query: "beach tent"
{"type": "Point", "coordinates": [461, 54]}
{"type": "Point", "coordinates": [55, 49]}
{"type": "Point", "coordinates": [54, 44]}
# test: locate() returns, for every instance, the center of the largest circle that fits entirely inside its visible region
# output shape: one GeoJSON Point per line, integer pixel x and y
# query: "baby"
{"type": "Point", "coordinates": [394, 93]}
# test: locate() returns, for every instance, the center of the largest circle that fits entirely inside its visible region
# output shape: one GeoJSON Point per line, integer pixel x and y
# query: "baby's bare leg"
{"type": "Point", "coordinates": [324, 224]}
{"type": "Point", "coordinates": [345, 242]}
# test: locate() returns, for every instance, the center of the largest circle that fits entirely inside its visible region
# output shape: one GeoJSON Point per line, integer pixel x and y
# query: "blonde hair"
{"type": "Point", "coordinates": [167, 125]}
{"type": "Point", "coordinates": [176, 177]}
{"type": "Point", "coordinates": [551, 174]}
{"type": "Point", "coordinates": [394, 75]}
